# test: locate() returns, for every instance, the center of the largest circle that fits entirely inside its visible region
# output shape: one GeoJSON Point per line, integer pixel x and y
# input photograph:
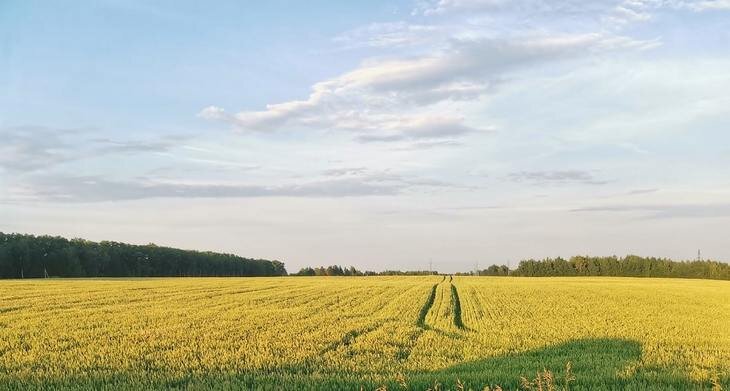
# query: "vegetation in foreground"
{"type": "Point", "coordinates": [429, 332]}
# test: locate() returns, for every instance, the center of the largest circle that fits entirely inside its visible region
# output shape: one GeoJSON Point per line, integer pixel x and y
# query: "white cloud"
{"type": "Point", "coordinates": [212, 112]}
{"type": "Point", "coordinates": [443, 6]}
{"type": "Point", "coordinates": [389, 100]}
{"type": "Point", "coordinates": [632, 9]}
{"type": "Point", "coordinates": [707, 5]}
{"type": "Point", "coordinates": [560, 177]}
{"type": "Point", "coordinates": [611, 13]}
{"type": "Point", "coordinates": [388, 35]}
{"type": "Point", "coordinates": [429, 128]}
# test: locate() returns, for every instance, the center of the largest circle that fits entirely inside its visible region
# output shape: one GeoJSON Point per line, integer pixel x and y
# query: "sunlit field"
{"type": "Point", "coordinates": [346, 333]}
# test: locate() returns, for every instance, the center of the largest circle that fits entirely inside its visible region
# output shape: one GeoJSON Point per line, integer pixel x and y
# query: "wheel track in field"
{"type": "Point", "coordinates": [421, 322]}
{"type": "Point", "coordinates": [406, 349]}
{"type": "Point", "coordinates": [350, 337]}
{"type": "Point", "coordinates": [405, 352]}
{"type": "Point", "coordinates": [430, 301]}
{"type": "Point", "coordinates": [456, 307]}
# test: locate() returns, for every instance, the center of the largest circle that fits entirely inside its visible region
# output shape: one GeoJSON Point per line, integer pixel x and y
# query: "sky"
{"type": "Point", "coordinates": [378, 134]}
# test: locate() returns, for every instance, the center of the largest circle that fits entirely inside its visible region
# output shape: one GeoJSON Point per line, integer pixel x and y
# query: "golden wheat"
{"type": "Point", "coordinates": [370, 332]}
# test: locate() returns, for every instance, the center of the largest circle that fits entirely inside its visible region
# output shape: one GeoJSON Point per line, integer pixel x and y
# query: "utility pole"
{"type": "Point", "coordinates": [430, 266]}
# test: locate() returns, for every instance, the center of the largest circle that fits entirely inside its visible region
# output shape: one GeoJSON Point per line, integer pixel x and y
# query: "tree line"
{"type": "Point", "coordinates": [628, 266]}
{"type": "Point", "coordinates": [28, 256]}
{"type": "Point", "coordinates": [335, 270]}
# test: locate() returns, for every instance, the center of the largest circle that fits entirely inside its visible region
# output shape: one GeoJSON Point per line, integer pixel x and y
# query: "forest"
{"type": "Point", "coordinates": [28, 256]}
{"type": "Point", "coordinates": [628, 266]}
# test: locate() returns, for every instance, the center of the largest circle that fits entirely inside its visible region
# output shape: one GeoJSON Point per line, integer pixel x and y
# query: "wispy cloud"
{"type": "Point", "coordinates": [642, 191]}
{"type": "Point", "coordinates": [340, 183]}
{"type": "Point", "coordinates": [619, 11]}
{"type": "Point", "coordinates": [110, 146]}
{"type": "Point", "coordinates": [706, 5]}
{"type": "Point", "coordinates": [556, 177]}
{"type": "Point", "coordinates": [96, 189]}
{"type": "Point", "coordinates": [609, 11]}
{"type": "Point", "coordinates": [29, 148]}
{"type": "Point", "coordinates": [346, 171]}
{"type": "Point", "coordinates": [35, 148]}
{"type": "Point", "coordinates": [389, 35]}
{"type": "Point", "coordinates": [422, 130]}
{"type": "Point", "coordinates": [664, 211]}
{"type": "Point", "coordinates": [429, 144]}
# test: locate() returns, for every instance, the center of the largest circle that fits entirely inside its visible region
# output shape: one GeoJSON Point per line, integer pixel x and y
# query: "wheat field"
{"type": "Point", "coordinates": [339, 333]}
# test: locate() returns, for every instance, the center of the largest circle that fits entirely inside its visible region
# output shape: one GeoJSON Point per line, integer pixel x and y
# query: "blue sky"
{"type": "Point", "coordinates": [139, 65]}
{"type": "Point", "coordinates": [376, 134]}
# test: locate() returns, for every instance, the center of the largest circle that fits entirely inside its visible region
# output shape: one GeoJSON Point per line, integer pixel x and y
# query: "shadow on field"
{"type": "Point", "coordinates": [596, 364]}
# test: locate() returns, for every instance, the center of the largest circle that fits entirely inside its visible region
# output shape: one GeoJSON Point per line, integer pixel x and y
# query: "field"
{"type": "Point", "coordinates": [351, 332]}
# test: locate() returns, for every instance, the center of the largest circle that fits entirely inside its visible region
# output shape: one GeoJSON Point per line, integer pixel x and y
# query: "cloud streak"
{"type": "Point", "coordinates": [389, 35]}
{"type": "Point", "coordinates": [36, 148]}
{"type": "Point", "coordinates": [612, 11]}
{"type": "Point", "coordinates": [666, 211]}
{"type": "Point", "coordinates": [556, 177]}
{"type": "Point", "coordinates": [347, 182]}
{"type": "Point", "coordinates": [30, 148]}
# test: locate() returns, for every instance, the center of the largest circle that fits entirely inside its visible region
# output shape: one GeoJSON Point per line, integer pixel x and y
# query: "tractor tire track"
{"type": "Point", "coordinates": [427, 307]}
{"type": "Point", "coordinates": [404, 353]}
{"type": "Point", "coordinates": [456, 307]}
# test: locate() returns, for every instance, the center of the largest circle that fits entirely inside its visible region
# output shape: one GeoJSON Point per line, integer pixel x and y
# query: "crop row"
{"type": "Point", "coordinates": [344, 332]}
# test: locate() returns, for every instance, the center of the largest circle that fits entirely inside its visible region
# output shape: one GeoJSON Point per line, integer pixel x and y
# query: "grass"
{"type": "Point", "coordinates": [369, 332]}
